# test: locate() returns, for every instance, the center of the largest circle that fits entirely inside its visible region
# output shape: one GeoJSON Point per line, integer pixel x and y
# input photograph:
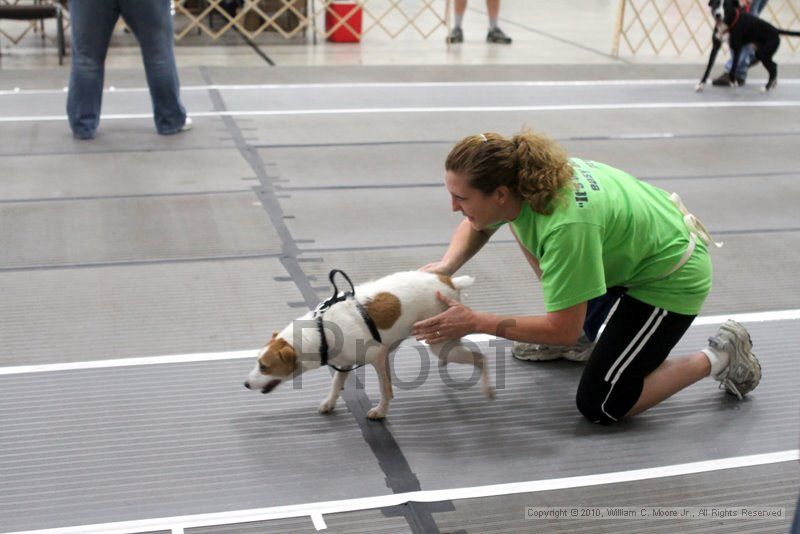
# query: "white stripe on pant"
{"type": "Point", "coordinates": [639, 340]}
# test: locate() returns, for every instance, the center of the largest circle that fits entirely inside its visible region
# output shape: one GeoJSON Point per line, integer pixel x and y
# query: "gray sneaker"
{"type": "Point", "coordinates": [743, 373]}
{"type": "Point", "coordinates": [496, 35]}
{"type": "Point", "coordinates": [456, 36]}
{"type": "Point", "coordinates": [533, 352]}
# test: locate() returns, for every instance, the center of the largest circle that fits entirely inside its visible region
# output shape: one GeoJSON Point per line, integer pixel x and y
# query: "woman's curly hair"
{"type": "Point", "coordinates": [530, 164]}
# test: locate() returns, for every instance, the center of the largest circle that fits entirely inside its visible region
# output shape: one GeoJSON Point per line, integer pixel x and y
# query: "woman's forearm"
{"type": "Point", "coordinates": [563, 327]}
{"type": "Point", "coordinates": [464, 244]}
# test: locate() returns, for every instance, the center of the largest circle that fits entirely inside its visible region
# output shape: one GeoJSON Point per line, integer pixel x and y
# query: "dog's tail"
{"type": "Point", "coordinates": [788, 32]}
{"type": "Point", "coordinates": [460, 282]}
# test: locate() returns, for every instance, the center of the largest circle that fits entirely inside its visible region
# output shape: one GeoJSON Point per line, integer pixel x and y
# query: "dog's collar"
{"type": "Point", "coordinates": [735, 20]}
{"type": "Point", "coordinates": [325, 305]}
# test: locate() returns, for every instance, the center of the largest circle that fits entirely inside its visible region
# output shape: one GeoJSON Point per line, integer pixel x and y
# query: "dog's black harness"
{"type": "Point", "coordinates": [334, 299]}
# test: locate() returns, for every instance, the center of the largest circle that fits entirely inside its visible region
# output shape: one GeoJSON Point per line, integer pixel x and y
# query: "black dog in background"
{"type": "Point", "coordinates": [731, 22]}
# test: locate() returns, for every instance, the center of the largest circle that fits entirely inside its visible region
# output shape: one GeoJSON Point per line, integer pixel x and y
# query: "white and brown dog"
{"type": "Point", "coordinates": [346, 338]}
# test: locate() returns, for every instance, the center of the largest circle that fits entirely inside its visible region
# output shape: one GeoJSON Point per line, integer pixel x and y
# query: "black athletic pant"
{"type": "Point", "coordinates": [637, 339]}
{"type": "Point", "coordinates": [598, 308]}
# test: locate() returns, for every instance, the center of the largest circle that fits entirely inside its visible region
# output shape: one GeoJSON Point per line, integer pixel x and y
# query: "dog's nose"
{"type": "Point", "coordinates": [247, 385]}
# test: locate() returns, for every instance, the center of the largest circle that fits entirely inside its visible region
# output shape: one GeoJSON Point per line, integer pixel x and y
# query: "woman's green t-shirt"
{"type": "Point", "coordinates": [611, 229]}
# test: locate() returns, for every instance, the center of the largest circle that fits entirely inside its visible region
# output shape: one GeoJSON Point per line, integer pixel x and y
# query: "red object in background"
{"type": "Point", "coordinates": [348, 19]}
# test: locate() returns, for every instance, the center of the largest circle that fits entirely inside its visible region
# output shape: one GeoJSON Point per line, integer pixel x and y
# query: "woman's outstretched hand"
{"type": "Point", "coordinates": [455, 322]}
{"type": "Point", "coordinates": [436, 267]}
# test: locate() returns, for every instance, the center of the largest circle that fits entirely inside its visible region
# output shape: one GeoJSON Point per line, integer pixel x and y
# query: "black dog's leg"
{"type": "Point", "coordinates": [715, 44]}
{"type": "Point", "coordinates": [764, 53]}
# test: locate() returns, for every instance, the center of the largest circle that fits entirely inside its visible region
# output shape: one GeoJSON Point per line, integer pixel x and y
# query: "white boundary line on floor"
{"type": "Point", "coordinates": [782, 315]}
{"type": "Point", "coordinates": [690, 82]}
{"type": "Point", "coordinates": [319, 521]}
{"type": "Point", "coordinates": [450, 109]}
{"type": "Point", "coordinates": [129, 362]}
{"type": "Point", "coordinates": [756, 317]}
{"type": "Point", "coordinates": [316, 511]}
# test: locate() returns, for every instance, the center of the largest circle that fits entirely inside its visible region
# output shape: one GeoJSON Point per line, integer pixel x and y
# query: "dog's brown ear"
{"type": "Point", "coordinates": [288, 357]}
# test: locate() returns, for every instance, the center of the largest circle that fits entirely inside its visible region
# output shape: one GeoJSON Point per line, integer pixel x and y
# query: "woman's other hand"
{"type": "Point", "coordinates": [455, 322]}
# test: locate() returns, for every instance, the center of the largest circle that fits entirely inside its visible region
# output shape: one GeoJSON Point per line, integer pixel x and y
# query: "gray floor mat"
{"type": "Point", "coordinates": [174, 439]}
{"type": "Point", "coordinates": [149, 173]}
{"type": "Point", "coordinates": [168, 440]}
{"type": "Point", "coordinates": [769, 486]}
{"type": "Point", "coordinates": [424, 217]}
{"type": "Point", "coordinates": [356, 128]}
{"type": "Point", "coordinates": [114, 135]}
{"type": "Point", "coordinates": [405, 164]}
{"type": "Point", "coordinates": [118, 102]}
{"type": "Point", "coordinates": [366, 522]}
{"type": "Point", "coordinates": [443, 423]}
{"type": "Point", "coordinates": [57, 315]}
{"type": "Point", "coordinates": [82, 232]}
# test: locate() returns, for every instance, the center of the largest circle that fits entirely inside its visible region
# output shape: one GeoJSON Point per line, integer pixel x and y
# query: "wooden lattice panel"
{"type": "Point", "coordinates": [684, 26]}
{"type": "Point", "coordinates": [287, 18]}
{"type": "Point", "coordinates": [393, 17]}
{"type": "Point", "coordinates": [784, 14]}
{"type": "Point", "coordinates": [16, 30]}
{"type": "Point", "coordinates": [253, 17]}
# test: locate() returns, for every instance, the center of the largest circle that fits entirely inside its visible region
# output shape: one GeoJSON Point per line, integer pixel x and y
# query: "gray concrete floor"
{"type": "Point", "coordinates": [140, 246]}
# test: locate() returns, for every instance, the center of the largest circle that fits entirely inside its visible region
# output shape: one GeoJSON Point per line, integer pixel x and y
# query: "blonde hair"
{"type": "Point", "coordinates": [532, 165]}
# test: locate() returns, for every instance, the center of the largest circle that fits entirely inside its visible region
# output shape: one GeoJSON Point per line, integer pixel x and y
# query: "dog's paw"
{"type": "Point", "coordinates": [699, 87]}
{"type": "Point", "coordinates": [489, 392]}
{"type": "Point", "coordinates": [326, 406]}
{"type": "Point", "coordinates": [376, 414]}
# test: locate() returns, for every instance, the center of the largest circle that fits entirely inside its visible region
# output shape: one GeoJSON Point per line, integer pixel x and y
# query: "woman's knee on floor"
{"type": "Point", "coordinates": [590, 400]}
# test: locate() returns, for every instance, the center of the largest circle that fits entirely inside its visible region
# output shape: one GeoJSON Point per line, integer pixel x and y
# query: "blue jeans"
{"type": "Point", "coordinates": [92, 23]}
{"type": "Point", "coordinates": [748, 51]}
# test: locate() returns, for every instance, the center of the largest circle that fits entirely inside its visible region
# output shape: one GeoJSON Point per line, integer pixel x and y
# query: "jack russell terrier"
{"type": "Point", "coordinates": [363, 326]}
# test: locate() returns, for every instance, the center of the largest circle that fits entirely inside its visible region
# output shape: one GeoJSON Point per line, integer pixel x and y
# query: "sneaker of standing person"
{"type": "Point", "coordinates": [724, 80]}
{"type": "Point", "coordinates": [496, 35]}
{"type": "Point", "coordinates": [187, 125]}
{"type": "Point", "coordinates": [456, 36]}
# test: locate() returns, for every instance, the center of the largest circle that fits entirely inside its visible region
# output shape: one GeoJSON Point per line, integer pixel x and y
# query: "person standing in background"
{"type": "Point", "coordinates": [754, 7]}
{"type": "Point", "coordinates": [495, 34]}
{"type": "Point", "coordinates": [92, 24]}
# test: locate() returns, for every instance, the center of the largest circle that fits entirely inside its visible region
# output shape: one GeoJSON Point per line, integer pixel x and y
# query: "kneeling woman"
{"type": "Point", "coordinates": [595, 236]}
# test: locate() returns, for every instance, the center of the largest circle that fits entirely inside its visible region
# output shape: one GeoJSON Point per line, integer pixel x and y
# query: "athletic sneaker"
{"type": "Point", "coordinates": [724, 80]}
{"type": "Point", "coordinates": [533, 352]}
{"type": "Point", "coordinates": [496, 35]}
{"type": "Point", "coordinates": [743, 372]}
{"type": "Point", "coordinates": [456, 36]}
